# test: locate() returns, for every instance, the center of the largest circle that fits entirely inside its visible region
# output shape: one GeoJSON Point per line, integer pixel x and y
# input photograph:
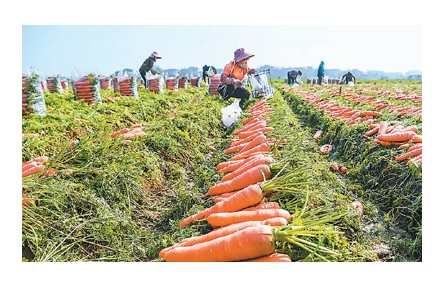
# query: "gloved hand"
{"type": "Point", "coordinates": [237, 83]}
{"type": "Point", "coordinates": [252, 71]}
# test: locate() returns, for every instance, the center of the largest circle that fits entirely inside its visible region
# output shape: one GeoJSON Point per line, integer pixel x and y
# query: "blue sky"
{"type": "Point", "coordinates": [103, 49]}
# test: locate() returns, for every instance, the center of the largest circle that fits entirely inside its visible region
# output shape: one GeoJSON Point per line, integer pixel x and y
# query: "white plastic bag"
{"type": "Point", "coordinates": [230, 114]}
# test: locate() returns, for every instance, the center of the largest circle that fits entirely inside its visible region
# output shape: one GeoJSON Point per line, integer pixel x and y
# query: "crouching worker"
{"type": "Point", "coordinates": [233, 74]}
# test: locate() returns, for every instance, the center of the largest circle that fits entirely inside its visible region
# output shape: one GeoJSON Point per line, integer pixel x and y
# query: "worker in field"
{"type": "Point", "coordinates": [148, 65]}
{"type": "Point", "coordinates": [207, 71]}
{"type": "Point", "coordinates": [320, 73]}
{"type": "Point", "coordinates": [347, 78]}
{"type": "Point", "coordinates": [298, 78]}
{"type": "Point", "coordinates": [231, 78]}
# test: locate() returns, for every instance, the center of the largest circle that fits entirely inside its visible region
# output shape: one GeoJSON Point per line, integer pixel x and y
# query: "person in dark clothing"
{"type": "Point", "coordinates": [234, 72]}
{"type": "Point", "coordinates": [148, 66]}
{"type": "Point", "coordinates": [207, 71]}
{"type": "Point", "coordinates": [320, 73]}
{"type": "Point", "coordinates": [348, 77]}
{"type": "Point", "coordinates": [291, 77]}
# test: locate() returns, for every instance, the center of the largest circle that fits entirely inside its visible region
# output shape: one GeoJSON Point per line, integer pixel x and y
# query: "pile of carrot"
{"type": "Point", "coordinates": [127, 87]}
{"type": "Point", "coordinates": [134, 131]}
{"type": "Point", "coordinates": [214, 81]}
{"type": "Point", "coordinates": [105, 83]}
{"type": "Point", "coordinates": [195, 81]}
{"type": "Point", "coordinates": [182, 83]}
{"type": "Point", "coordinates": [155, 85]}
{"type": "Point", "coordinates": [54, 85]}
{"type": "Point", "coordinates": [242, 216]}
{"type": "Point", "coordinates": [87, 89]}
{"type": "Point", "coordinates": [402, 137]}
{"type": "Point", "coordinates": [171, 84]}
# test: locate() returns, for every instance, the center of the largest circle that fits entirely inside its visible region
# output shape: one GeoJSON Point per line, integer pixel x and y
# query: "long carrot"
{"type": "Point", "coordinates": [246, 134]}
{"type": "Point", "coordinates": [223, 165]}
{"type": "Point", "coordinates": [396, 136]}
{"type": "Point", "coordinates": [261, 138]}
{"type": "Point", "coordinates": [417, 159]}
{"type": "Point", "coordinates": [244, 198]}
{"type": "Point", "coordinates": [274, 257]}
{"type": "Point", "coordinates": [382, 127]}
{"type": "Point", "coordinates": [235, 148]}
{"type": "Point", "coordinates": [235, 164]}
{"type": "Point", "coordinates": [245, 140]}
{"type": "Point", "coordinates": [250, 164]}
{"type": "Point", "coordinates": [253, 126]}
{"type": "Point", "coordinates": [29, 165]}
{"type": "Point", "coordinates": [264, 147]}
{"type": "Point", "coordinates": [372, 131]}
{"type": "Point", "coordinates": [227, 218]}
{"type": "Point", "coordinates": [249, 177]}
{"type": "Point", "coordinates": [417, 138]}
{"type": "Point", "coordinates": [33, 170]}
{"type": "Point", "coordinates": [409, 154]}
{"type": "Point", "coordinates": [247, 243]}
{"type": "Point", "coordinates": [224, 231]}
{"type": "Point", "coordinates": [264, 205]}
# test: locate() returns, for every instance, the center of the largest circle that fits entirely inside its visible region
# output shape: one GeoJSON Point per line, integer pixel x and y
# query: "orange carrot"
{"type": "Point", "coordinates": [248, 243]}
{"type": "Point", "coordinates": [396, 136]}
{"type": "Point", "coordinates": [246, 134]}
{"type": "Point", "coordinates": [227, 218]}
{"type": "Point", "coordinates": [411, 128]}
{"type": "Point", "coordinates": [274, 257]}
{"type": "Point", "coordinates": [264, 147]}
{"type": "Point", "coordinates": [119, 132]}
{"type": "Point", "coordinates": [260, 139]}
{"type": "Point", "coordinates": [253, 175]}
{"type": "Point", "coordinates": [371, 113]}
{"type": "Point", "coordinates": [415, 146]}
{"type": "Point", "coordinates": [33, 170]}
{"type": "Point", "coordinates": [211, 148]}
{"type": "Point", "coordinates": [264, 205]}
{"type": "Point", "coordinates": [250, 164]}
{"type": "Point", "coordinates": [246, 140]}
{"type": "Point", "coordinates": [223, 165]}
{"type": "Point", "coordinates": [417, 159]}
{"type": "Point", "coordinates": [318, 134]}
{"type": "Point", "coordinates": [29, 165]}
{"type": "Point", "coordinates": [372, 131]}
{"type": "Point", "coordinates": [244, 198]}
{"type": "Point", "coordinates": [235, 164]}
{"type": "Point", "coordinates": [417, 138]}
{"type": "Point", "coordinates": [382, 127]}
{"type": "Point", "coordinates": [234, 148]}
{"type": "Point", "coordinates": [253, 126]}
{"type": "Point", "coordinates": [409, 154]}
{"type": "Point", "coordinates": [224, 231]}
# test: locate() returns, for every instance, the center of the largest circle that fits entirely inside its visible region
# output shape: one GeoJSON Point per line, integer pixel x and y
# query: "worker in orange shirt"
{"type": "Point", "coordinates": [234, 72]}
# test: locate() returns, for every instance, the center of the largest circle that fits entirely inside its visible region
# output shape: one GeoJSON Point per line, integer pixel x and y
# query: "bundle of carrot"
{"type": "Point", "coordinates": [171, 84]}
{"type": "Point", "coordinates": [401, 136]}
{"type": "Point", "coordinates": [87, 89]}
{"type": "Point", "coordinates": [128, 133]}
{"type": "Point", "coordinates": [128, 87]}
{"type": "Point", "coordinates": [256, 240]}
{"type": "Point", "coordinates": [182, 82]}
{"type": "Point", "coordinates": [214, 81]}
{"type": "Point", "coordinates": [105, 83]}
{"type": "Point", "coordinates": [33, 166]}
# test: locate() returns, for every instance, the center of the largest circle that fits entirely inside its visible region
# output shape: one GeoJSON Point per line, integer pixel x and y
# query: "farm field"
{"type": "Point", "coordinates": [350, 194]}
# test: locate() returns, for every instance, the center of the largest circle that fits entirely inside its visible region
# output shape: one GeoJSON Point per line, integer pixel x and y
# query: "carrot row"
{"type": "Point", "coordinates": [242, 217]}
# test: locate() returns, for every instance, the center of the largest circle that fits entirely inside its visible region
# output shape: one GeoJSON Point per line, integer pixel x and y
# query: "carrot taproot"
{"type": "Point", "coordinates": [235, 148]}
{"type": "Point", "coordinates": [250, 164]}
{"type": "Point", "coordinates": [260, 139]}
{"type": "Point", "coordinates": [413, 128]}
{"type": "Point", "coordinates": [227, 218]}
{"type": "Point", "coordinates": [415, 146]}
{"type": "Point", "coordinates": [244, 198]}
{"type": "Point", "coordinates": [248, 243]}
{"type": "Point", "coordinates": [417, 138]}
{"type": "Point", "coordinates": [253, 126]}
{"type": "Point", "coordinates": [213, 149]}
{"type": "Point", "coordinates": [274, 257]}
{"type": "Point", "coordinates": [318, 134]}
{"type": "Point", "coordinates": [224, 231]}
{"type": "Point", "coordinates": [249, 120]}
{"type": "Point", "coordinates": [398, 136]}
{"type": "Point", "coordinates": [225, 164]}
{"type": "Point", "coordinates": [371, 113]}
{"type": "Point", "coordinates": [41, 159]}
{"type": "Point", "coordinates": [33, 170]}
{"type": "Point", "coordinates": [383, 126]}
{"type": "Point", "coordinates": [372, 131]}
{"type": "Point", "coordinates": [235, 164]}
{"type": "Point", "coordinates": [29, 165]}
{"type": "Point", "coordinates": [246, 134]}
{"type": "Point", "coordinates": [129, 135]}
{"type": "Point", "coordinates": [253, 175]}
{"type": "Point", "coordinates": [119, 132]}
{"type": "Point", "coordinates": [264, 205]}
{"type": "Point", "coordinates": [246, 140]}
{"type": "Point", "coordinates": [409, 154]}
{"type": "Point", "coordinates": [263, 148]}
{"type": "Point", "coordinates": [417, 159]}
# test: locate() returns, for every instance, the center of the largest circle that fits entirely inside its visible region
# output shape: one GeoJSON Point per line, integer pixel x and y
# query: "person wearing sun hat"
{"type": "Point", "coordinates": [148, 66]}
{"type": "Point", "coordinates": [233, 74]}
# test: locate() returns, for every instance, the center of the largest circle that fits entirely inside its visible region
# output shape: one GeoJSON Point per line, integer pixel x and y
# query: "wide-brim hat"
{"type": "Point", "coordinates": [155, 54]}
{"type": "Point", "coordinates": [240, 55]}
